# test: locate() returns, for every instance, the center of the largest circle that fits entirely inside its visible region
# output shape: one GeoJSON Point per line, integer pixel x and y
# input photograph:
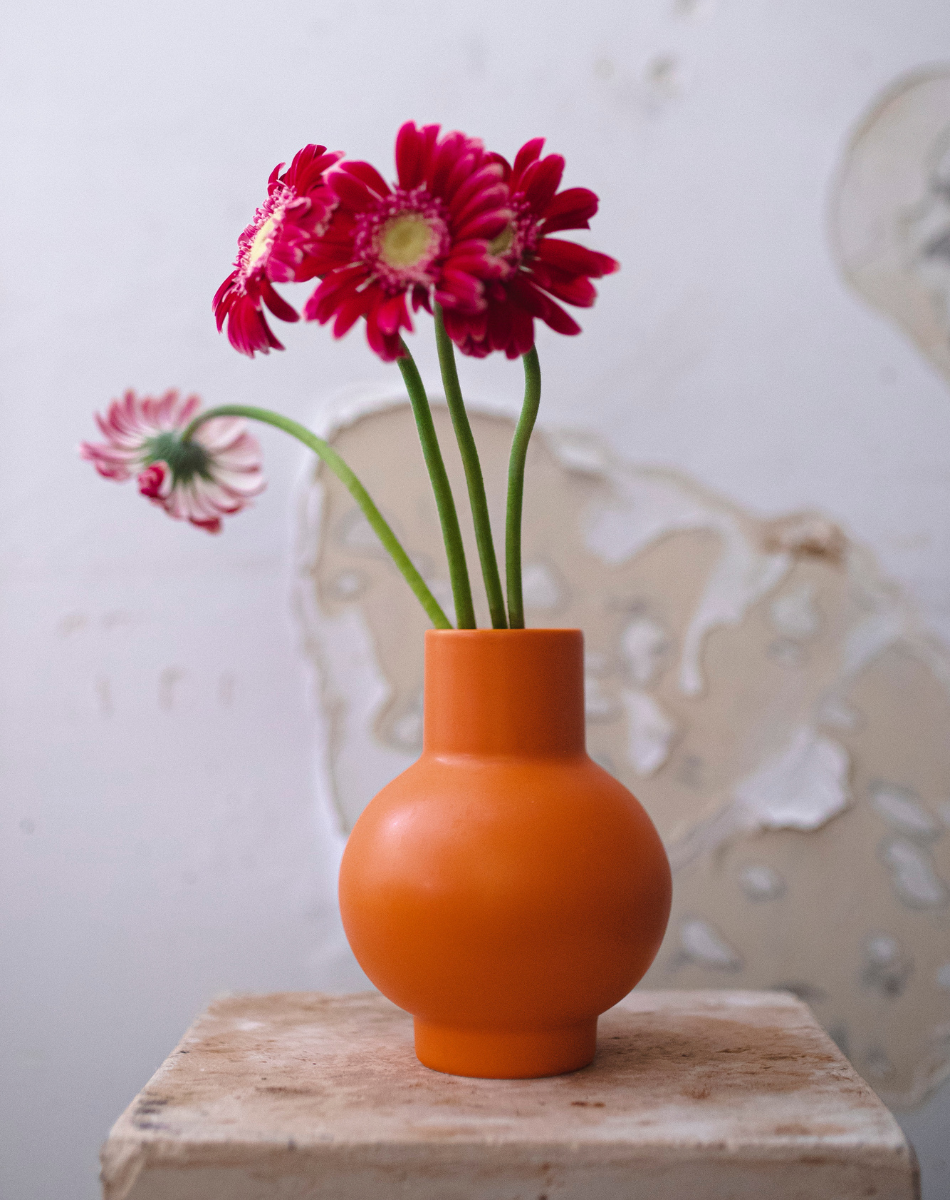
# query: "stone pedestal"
{"type": "Point", "coordinates": [692, 1096]}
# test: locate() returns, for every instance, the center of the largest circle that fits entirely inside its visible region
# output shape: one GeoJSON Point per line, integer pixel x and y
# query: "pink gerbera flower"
{"type": "Point", "coordinates": [275, 248]}
{"type": "Point", "coordinates": [215, 473]}
{"type": "Point", "coordinates": [428, 236]}
{"type": "Point", "coordinates": [531, 269]}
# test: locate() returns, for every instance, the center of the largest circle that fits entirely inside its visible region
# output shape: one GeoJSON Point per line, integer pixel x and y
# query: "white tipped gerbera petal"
{"type": "Point", "coordinates": [214, 474]}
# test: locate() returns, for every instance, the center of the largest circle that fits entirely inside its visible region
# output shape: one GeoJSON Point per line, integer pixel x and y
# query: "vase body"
{"type": "Point", "coordinates": [505, 890]}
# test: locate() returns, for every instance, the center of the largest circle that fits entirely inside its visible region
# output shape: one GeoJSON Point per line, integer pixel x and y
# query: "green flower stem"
{"type": "Point", "coordinates": [473, 473]}
{"type": "Point", "coordinates": [451, 533]}
{"type": "Point", "coordinates": [339, 468]}
{"type": "Point", "coordinates": [516, 464]}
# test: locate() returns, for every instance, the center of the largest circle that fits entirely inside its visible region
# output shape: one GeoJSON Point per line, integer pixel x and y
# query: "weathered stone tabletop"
{"type": "Point", "coordinates": [302, 1096]}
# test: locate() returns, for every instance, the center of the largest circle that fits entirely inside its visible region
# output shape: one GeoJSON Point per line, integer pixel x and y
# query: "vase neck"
{"type": "Point", "coordinates": [504, 691]}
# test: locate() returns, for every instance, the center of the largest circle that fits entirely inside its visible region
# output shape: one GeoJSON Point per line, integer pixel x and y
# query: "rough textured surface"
{"type": "Point", "coordinates": [699, 1094]}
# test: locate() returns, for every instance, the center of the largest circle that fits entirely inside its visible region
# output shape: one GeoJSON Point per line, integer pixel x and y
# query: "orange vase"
{"type": "Point", "coordinates": [505, 890]}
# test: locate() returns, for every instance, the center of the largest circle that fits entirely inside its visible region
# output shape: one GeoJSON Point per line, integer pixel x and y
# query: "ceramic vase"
{"type": "Point", "coordinates": [505, 890]}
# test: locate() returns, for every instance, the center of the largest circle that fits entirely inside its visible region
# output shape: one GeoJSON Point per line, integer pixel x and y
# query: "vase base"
{"type": "Point", "coordinates": [505, 1054]}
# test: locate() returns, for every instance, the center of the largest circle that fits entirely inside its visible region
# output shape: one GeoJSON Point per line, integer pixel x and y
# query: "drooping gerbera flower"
{"type": "Point", "coordinates": [274, 248]}
{"type": "Point", "coordinates": [215, 473]}
{"type": "Point", "coordinates": [531, 269]}
{"type": "Point", "coordinates": [428, 236]}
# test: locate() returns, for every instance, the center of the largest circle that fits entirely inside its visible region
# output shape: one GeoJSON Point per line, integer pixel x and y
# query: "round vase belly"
{"type": "Point", "coordinates": [505, 890]}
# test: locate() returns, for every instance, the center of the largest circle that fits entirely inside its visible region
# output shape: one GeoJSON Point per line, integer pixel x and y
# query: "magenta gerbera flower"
{"type": "Point", "coordinates": [215, 473]}
{"type": "Point", "coordinates": [427, 237]}
{"type": "Point", "coordinates": [275, 248]}
{"type": "Point", "coordinates": [530, 269]}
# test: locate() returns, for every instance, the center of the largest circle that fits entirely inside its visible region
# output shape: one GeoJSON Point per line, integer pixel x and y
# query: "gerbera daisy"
{"type": "Point", "coordinates": [213, 474]}
{"type": "Point", "coordinates": [427, 236]}
{"type": "Point", "coordinates": [274, 248]}
{"type": "Point", "coordinates": [529, 266]}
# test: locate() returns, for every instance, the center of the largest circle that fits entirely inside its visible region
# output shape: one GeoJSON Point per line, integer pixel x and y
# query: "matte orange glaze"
{"type": "Point", "coordinates": [505, 889]}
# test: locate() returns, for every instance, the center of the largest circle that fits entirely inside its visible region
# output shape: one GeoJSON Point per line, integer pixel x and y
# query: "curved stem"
{"type": "Point", "coordinates": [516, 464]}
{"type": "Point", "coordinates": [339, 468]}
{"type": "Point", "coordinates": [473, 473]}
{"type": "Point", "coordinates": [451, 533]}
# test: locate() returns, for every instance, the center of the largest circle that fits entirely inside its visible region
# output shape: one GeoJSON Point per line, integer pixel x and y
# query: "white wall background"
{"type": "Point", "coordinates": [160, 836]}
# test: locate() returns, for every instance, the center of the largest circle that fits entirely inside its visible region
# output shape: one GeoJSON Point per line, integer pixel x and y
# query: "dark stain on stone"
{"type": "Point", "coordinates": [285, 1090]}
{"type": "Point", "coordinates": [145, 1109]}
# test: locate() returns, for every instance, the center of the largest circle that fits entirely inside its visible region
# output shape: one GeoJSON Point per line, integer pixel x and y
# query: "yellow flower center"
{"type": "Point", "coordinates": [406, 239]}
{"type": "Point", "coordinates": [501, 243]}
{"type": "Point", "coordinates": [262, 243]}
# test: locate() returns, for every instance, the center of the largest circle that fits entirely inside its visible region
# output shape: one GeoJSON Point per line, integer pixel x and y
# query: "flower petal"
{"type": "Point", "coordinates": [351, 190]}
{"type": "Point", "coordinates": [528, 154]}
{"type": "Point", "coordinates": [541, 181]}
{"type": "Point", "coordinates": [410, 155]}
{"type": "Point", "coordinates": [570, 209]}
{"type": "Point", "coordinates": [277, 304]}
{"type": "Point", "coordinates": [576, 259]}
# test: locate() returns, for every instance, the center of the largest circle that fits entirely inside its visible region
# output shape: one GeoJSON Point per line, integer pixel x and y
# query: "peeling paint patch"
{"type": "Point", "coordinates": [759, 881]}
{"type": "Point", "coordinates": [887, 968]}
{"type": "Point", "coordinates": [802, 787]}
{"type": "Point", "coordinates": [348, 585]}
{"type": "Point", "coordinates": [915, 880]}
{"type": "Point", "coordinates": [704, 945]}
{"type": "Point", "coordinates": [644, 645]}
{"type": "Point", "coordinates": [794, 613]}
{"type": "Point", "coordinates": [647, 507]}
{"type": "Point", "coordinates": [599, 705]}
{"type": "Point", "coordinates": [805, 535]}
{"type": "Point", "coordinates": [542, 587]}
{"type": "Point", "coordinates": [355, 694]}
{"type": "Point", "coordinates": [650, 732]}
{"type": "Point", "coordinates": [787, 653]}
{"type": "Point", "coordinates": [871, 638]}
{"type": "Point", "coordinates": [891, 211]}
{"type": "Point", "coordinates": [902, 809]}
{"type": "Point", "coordinates": [406, 729]}
{"type": "Point", "coordinates": [833, 711]}
{"type": "Point", "coordinates": [354, 532]}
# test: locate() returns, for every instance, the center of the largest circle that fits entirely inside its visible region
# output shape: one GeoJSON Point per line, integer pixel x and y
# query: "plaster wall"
{"type": "Point", "coordinates": [161, 835]}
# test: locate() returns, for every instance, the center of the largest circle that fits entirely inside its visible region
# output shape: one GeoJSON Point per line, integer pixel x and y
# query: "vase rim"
{"type": "Point", "coordinates": [546, 631]}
